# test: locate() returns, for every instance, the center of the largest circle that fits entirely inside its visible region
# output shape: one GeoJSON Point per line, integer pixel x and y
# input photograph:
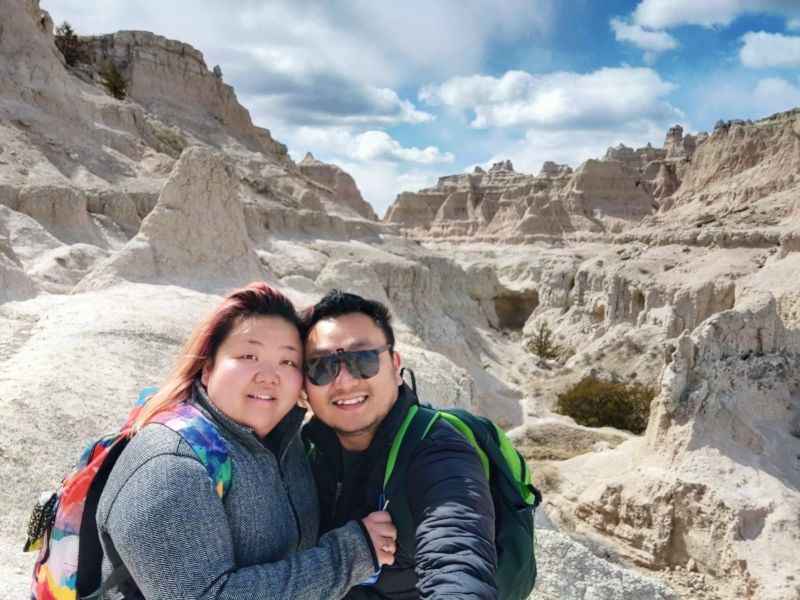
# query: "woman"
{"type": "Point", "coordinates": [160, 514]}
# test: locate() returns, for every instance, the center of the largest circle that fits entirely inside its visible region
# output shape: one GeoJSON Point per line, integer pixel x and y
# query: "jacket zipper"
{"type": "Point", "coordinates": [278, 459]}
{"type": "Point", "coordinates": [336, 498]}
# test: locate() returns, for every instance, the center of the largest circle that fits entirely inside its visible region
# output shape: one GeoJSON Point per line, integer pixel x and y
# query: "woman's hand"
{"type": "Point", "coordinates": [383, 535]}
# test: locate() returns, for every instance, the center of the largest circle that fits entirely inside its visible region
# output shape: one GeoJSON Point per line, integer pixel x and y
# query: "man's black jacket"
{"type": "Point", "coordinates": [449, 498]}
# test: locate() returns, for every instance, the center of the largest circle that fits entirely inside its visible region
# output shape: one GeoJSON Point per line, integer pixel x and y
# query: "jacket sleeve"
{"type": "Point", "coordinates": [453, 515]}
{"type": "Point", "coordinates": [176, 542]}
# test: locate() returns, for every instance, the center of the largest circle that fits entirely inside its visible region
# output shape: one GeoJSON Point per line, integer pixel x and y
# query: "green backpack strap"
{"type": "Point", "coordinates": [494, 447]}
{"type": "Point", "coordinates": [415, 427]}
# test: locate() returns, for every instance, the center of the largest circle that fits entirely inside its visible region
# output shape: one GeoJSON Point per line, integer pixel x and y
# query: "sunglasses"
{"type": "Point", "coordinates": [362, 364]}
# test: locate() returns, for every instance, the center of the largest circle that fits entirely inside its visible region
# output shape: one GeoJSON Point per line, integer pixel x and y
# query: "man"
{"type": "Point", "coordinates": [360, 401]}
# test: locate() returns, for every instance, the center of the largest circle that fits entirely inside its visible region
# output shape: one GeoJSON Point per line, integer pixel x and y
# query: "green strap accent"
{"type": "Point", "coordinates": [519, 468]}
{"type": "Point", "coordinates": [117, 576]}
{"type": "Point", "coordinates": [397, 442]}
{"type": "Point", "coordinates": [416, 424]}
{"type": "Point", "coordinates": [467, 433]}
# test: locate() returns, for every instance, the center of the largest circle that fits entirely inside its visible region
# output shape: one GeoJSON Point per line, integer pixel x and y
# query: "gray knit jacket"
{"type": "Point", "coordinates": [160, 515]}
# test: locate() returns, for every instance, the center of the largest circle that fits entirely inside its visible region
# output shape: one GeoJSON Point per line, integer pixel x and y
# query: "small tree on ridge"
{"type": "Point", "coordinates": [74, 49]}
{"type": "Point", "coordinates": [113, 79]}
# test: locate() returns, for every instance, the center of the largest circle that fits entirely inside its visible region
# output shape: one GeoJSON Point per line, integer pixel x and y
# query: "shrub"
{"type": "Point", "coordinates": [113, 79]}
{"type": "Point", "coordinates": [173, 142]}
{"type": "Point", "coordinates": [543, 344]}
{"type": "Point", "coordinates": [70, 45]}
{"type": "Point", "coordinates": [596, 403]}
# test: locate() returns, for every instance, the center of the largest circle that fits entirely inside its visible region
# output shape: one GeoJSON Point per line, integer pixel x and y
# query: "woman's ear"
{"type": "Point", "coordinates": [205, 374]}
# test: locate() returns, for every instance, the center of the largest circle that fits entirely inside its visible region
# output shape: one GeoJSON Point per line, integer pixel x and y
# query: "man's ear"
{"type": "Point", "coordinates": [397, 364]}
{"type": "Point", "coordinates": [205, 374]}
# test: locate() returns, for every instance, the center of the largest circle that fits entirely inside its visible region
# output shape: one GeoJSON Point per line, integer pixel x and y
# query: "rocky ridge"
{"type": "Point", "coordinates": [104, 209]}
{"type": "Point", "coordinates": [743, 175]}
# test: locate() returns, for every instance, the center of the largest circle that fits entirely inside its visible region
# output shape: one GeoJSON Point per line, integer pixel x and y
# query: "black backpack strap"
{"type": "Point", "coordinates": [403, 372]}
{"type": "Point", "coordinates": [414, 428]}
{"type": "Point", "coordinates": [88, 574]}
{"type": "Point", "coordinates": [117, 576]}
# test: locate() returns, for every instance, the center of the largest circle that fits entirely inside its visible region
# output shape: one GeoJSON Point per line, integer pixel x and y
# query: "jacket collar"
{"type": "Point", "coordinates": [276, 440]}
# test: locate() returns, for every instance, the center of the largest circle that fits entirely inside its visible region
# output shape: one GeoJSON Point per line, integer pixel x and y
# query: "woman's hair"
{"type": "Point", "coordinates": [256, 300]}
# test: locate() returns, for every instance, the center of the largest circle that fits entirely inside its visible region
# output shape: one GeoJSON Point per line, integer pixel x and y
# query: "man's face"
{"type": "Point", "coordinates": [352, 407]}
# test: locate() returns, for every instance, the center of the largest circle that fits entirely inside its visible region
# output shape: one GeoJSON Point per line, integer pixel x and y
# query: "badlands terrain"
{"type": "Point", "coordinates": [122, 221]}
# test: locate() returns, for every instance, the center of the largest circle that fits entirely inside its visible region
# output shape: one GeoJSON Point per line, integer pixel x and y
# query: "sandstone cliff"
{"type": "Point", "coordinates": [121, 221]}
{"type": "Point", "coordinates": [743, 175]}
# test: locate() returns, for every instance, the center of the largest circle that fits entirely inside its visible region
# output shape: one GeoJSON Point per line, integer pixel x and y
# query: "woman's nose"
{"type": "Point", "coordinates": [267, 373]}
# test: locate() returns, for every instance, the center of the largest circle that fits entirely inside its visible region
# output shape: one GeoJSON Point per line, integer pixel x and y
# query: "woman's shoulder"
{"type": "Point", "coordinates": [154, 457]}
{"type": "Point", "coordinates": [153, 441]}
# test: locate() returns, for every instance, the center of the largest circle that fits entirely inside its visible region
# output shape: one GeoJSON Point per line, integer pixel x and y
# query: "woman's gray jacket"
{"type": "Point", "coordinates": [161, 516]}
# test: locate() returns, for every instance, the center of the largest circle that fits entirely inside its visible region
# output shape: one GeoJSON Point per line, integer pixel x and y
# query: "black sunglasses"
{"type": "Point", "coordinates": [362, 364]}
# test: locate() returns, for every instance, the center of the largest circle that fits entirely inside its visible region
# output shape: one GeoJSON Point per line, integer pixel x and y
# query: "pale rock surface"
{"type": "Point", "coordinates": [341, 184]}
{"type": "Point", "coordinates": [569, 570]}
{"type": "Point", "coordinates": [620, 256]}
{"type": "Point", "coordinates": [744, 174]}
{"type": "Point", "coordinates": [715, 479]}
{"type": "Point", "coordinates": [556, 437]}
{"type": "Point", "coordinates": [175, 243]}
{"type": "Point", "coordinates": [70, 369]}
{"type": "Point", "coordinates": [171, 77]}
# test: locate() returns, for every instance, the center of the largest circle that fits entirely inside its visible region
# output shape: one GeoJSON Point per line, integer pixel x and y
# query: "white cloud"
{"type": "Point", "coordinates": [558, 100]}
{"type": "Point", "coordinates": [655, 41]}
{"type": "Point", "coordinates": [378, 145]}
{"type": "Point", "coordinates": [774, 94]}
{"type": "Point", "coordinates": [762, 49]}
{"type": "Point", "coordinates": [662, 14]}
{"type": "Point", "coordinates": [793, 24]}
{"type": "Point", "coordinates": [369, 146]}
{"type": "Point", "coordinates": [382, 43]}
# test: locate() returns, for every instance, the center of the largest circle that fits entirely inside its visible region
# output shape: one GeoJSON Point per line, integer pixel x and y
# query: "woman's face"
{"type": "Point", "coordinates": [257, 375]}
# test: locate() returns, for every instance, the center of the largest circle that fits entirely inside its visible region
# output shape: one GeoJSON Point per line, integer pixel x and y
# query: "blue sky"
{"type": "Point", "coordinates": [399, 94]}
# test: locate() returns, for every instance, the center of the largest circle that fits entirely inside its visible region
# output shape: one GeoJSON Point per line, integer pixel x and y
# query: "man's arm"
{"type": "Point", "coordinates": [453, 515]}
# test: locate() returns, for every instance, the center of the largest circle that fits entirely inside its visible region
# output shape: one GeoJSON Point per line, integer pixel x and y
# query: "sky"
{"type": "Point", "coordinates": [401, 93]}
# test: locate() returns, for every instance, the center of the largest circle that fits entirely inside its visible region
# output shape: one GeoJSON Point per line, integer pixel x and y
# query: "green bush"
{"type": "Point", "coordinates": [596, 403]}
{"type": "Point", "coordinates": [173, 142]}
{"type": "Point", "coordinates": [543, 344]}
{"type": "Point", "coordinates": [113, 79]}
{"type": "Point", "coordinates": [70, 45]}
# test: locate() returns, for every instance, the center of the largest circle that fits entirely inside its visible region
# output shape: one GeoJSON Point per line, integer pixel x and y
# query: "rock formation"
{"type": "Point", "coordinates": [712, 488]}
{"type": "Point", "coordinates": [340, 183]}
{"type": "Point", "coordinates": [168, 77]}
{"type": "Point", "coordinates": [747, 171]}
{"type": "Point", "coordinates": [121, 221]}
{"type": "Point", "coordinates": [175, 243]}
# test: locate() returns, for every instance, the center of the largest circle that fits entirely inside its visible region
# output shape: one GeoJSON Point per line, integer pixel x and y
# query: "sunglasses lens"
{"type": "Point", "coordinates": [363, 363]}
{"type": "Point", "coordinates": [322, 369]}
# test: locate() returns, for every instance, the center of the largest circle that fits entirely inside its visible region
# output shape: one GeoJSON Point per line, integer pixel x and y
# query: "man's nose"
{"type": "Point", "coordinates": [344, 378]}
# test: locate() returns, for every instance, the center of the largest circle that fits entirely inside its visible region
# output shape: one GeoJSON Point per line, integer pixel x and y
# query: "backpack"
{"type": "Point", "coordinates": [515, 498]}
{"type": "Point", "coordinates": [62, 526]}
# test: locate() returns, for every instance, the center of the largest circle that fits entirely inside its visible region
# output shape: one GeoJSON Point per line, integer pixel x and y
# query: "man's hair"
{"type": "Point", "coordinates": [337, 303]}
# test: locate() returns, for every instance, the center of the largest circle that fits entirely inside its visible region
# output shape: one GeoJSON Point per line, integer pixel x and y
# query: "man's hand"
{"type": "Point", "coordinates": [383, 535]}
